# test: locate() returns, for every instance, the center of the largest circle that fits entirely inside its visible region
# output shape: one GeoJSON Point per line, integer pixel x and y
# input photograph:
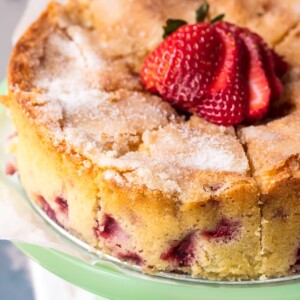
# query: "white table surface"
{"type": "Point", "coordinates": [10, 13]}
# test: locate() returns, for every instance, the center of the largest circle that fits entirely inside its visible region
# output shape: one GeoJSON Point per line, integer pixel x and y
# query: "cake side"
{"type": "Point", "coordinates": [273, 150]}
{"type": "Point", "coordinates": [64, 190]}
{"type": "Point", "coordinates": [197, 238]}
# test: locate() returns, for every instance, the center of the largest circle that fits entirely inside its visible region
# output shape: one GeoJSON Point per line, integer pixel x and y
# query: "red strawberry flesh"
{"type": "Point", "coordinates": [181, 252]}
{"type": "Point", "coordinates": [269, 64]}
{"type": "Point", "coordinates": [63, 204]}
{"type": "Point", "coordinates": [224, 102]}
{"type": "Point", "coordinates": [258, 81]}
{"type": "Point", "coordinates": [11, 167]}
{"type": "Point", "coordinates": [259, 89]}
{"type": "Point", "coordinates": [107, 229]}
{"type": "Point", "coordinates": [47, 208]}
{"type": "Point", "coordinates": [281, 65]}
{"type": "Point", "coordinates": [225, 230]}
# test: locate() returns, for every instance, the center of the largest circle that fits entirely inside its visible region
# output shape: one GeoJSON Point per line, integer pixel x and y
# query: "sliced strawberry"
{"type": "Point", "coordinates": [259, 88]}
{"type": "Point", "coordinates": [225, 102]}
{"type": "Point", "coordinates": [184, 65]}
{"type": "Point", "coordinates": [269, 67]}
{"type": "Point", "coordinates": [260, 66]}
{"type": "Point", "coordinates": [281, 66]}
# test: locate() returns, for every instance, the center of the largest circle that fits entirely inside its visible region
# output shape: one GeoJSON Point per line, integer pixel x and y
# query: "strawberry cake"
{"type": "Point", "coordinates": [165, 133]}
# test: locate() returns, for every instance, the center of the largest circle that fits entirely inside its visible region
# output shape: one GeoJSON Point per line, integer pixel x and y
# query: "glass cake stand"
{"type": "Point", "coordinates": [112, 279]}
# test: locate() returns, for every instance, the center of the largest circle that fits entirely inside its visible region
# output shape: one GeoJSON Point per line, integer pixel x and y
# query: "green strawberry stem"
{"type": "Point", "coordinates": [201, 12]}
{"type": "Point", "coordinates": [172, 25]}
{"type": "Point", "coordinates": [217, 18]}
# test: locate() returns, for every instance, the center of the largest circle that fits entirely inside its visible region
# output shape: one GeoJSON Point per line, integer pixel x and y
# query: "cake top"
{"type": "Point", "coordinates": [80, 74]}
{"type": "Point", "coordinates": [117, 124]}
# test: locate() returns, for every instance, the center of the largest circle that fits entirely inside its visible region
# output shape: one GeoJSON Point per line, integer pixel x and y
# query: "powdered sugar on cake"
{"type": "Point", "coordinates": [193, 148]}
{"type": "Point", "coordinates": [104, 115]}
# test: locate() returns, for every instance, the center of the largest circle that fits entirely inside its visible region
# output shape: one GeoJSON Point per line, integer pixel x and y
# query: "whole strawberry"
{"type": "Point", "coordinates": [217, 70]}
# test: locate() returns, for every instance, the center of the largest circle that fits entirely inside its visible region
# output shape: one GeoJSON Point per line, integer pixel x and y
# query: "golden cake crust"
{"type": "Point", "coordinates": [25, 63]}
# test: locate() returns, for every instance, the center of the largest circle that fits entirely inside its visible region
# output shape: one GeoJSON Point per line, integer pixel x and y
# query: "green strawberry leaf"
{"type": "Point", "coordinates": [172, 25]}
{"type": "Point", "coordinates": [217, 18]}
{"type": "Point", "coordinates": [201, 12]}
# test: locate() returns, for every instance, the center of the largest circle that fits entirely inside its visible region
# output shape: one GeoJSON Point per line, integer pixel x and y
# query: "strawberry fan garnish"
{"type": "Point", "coordinates": [215, 69]}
